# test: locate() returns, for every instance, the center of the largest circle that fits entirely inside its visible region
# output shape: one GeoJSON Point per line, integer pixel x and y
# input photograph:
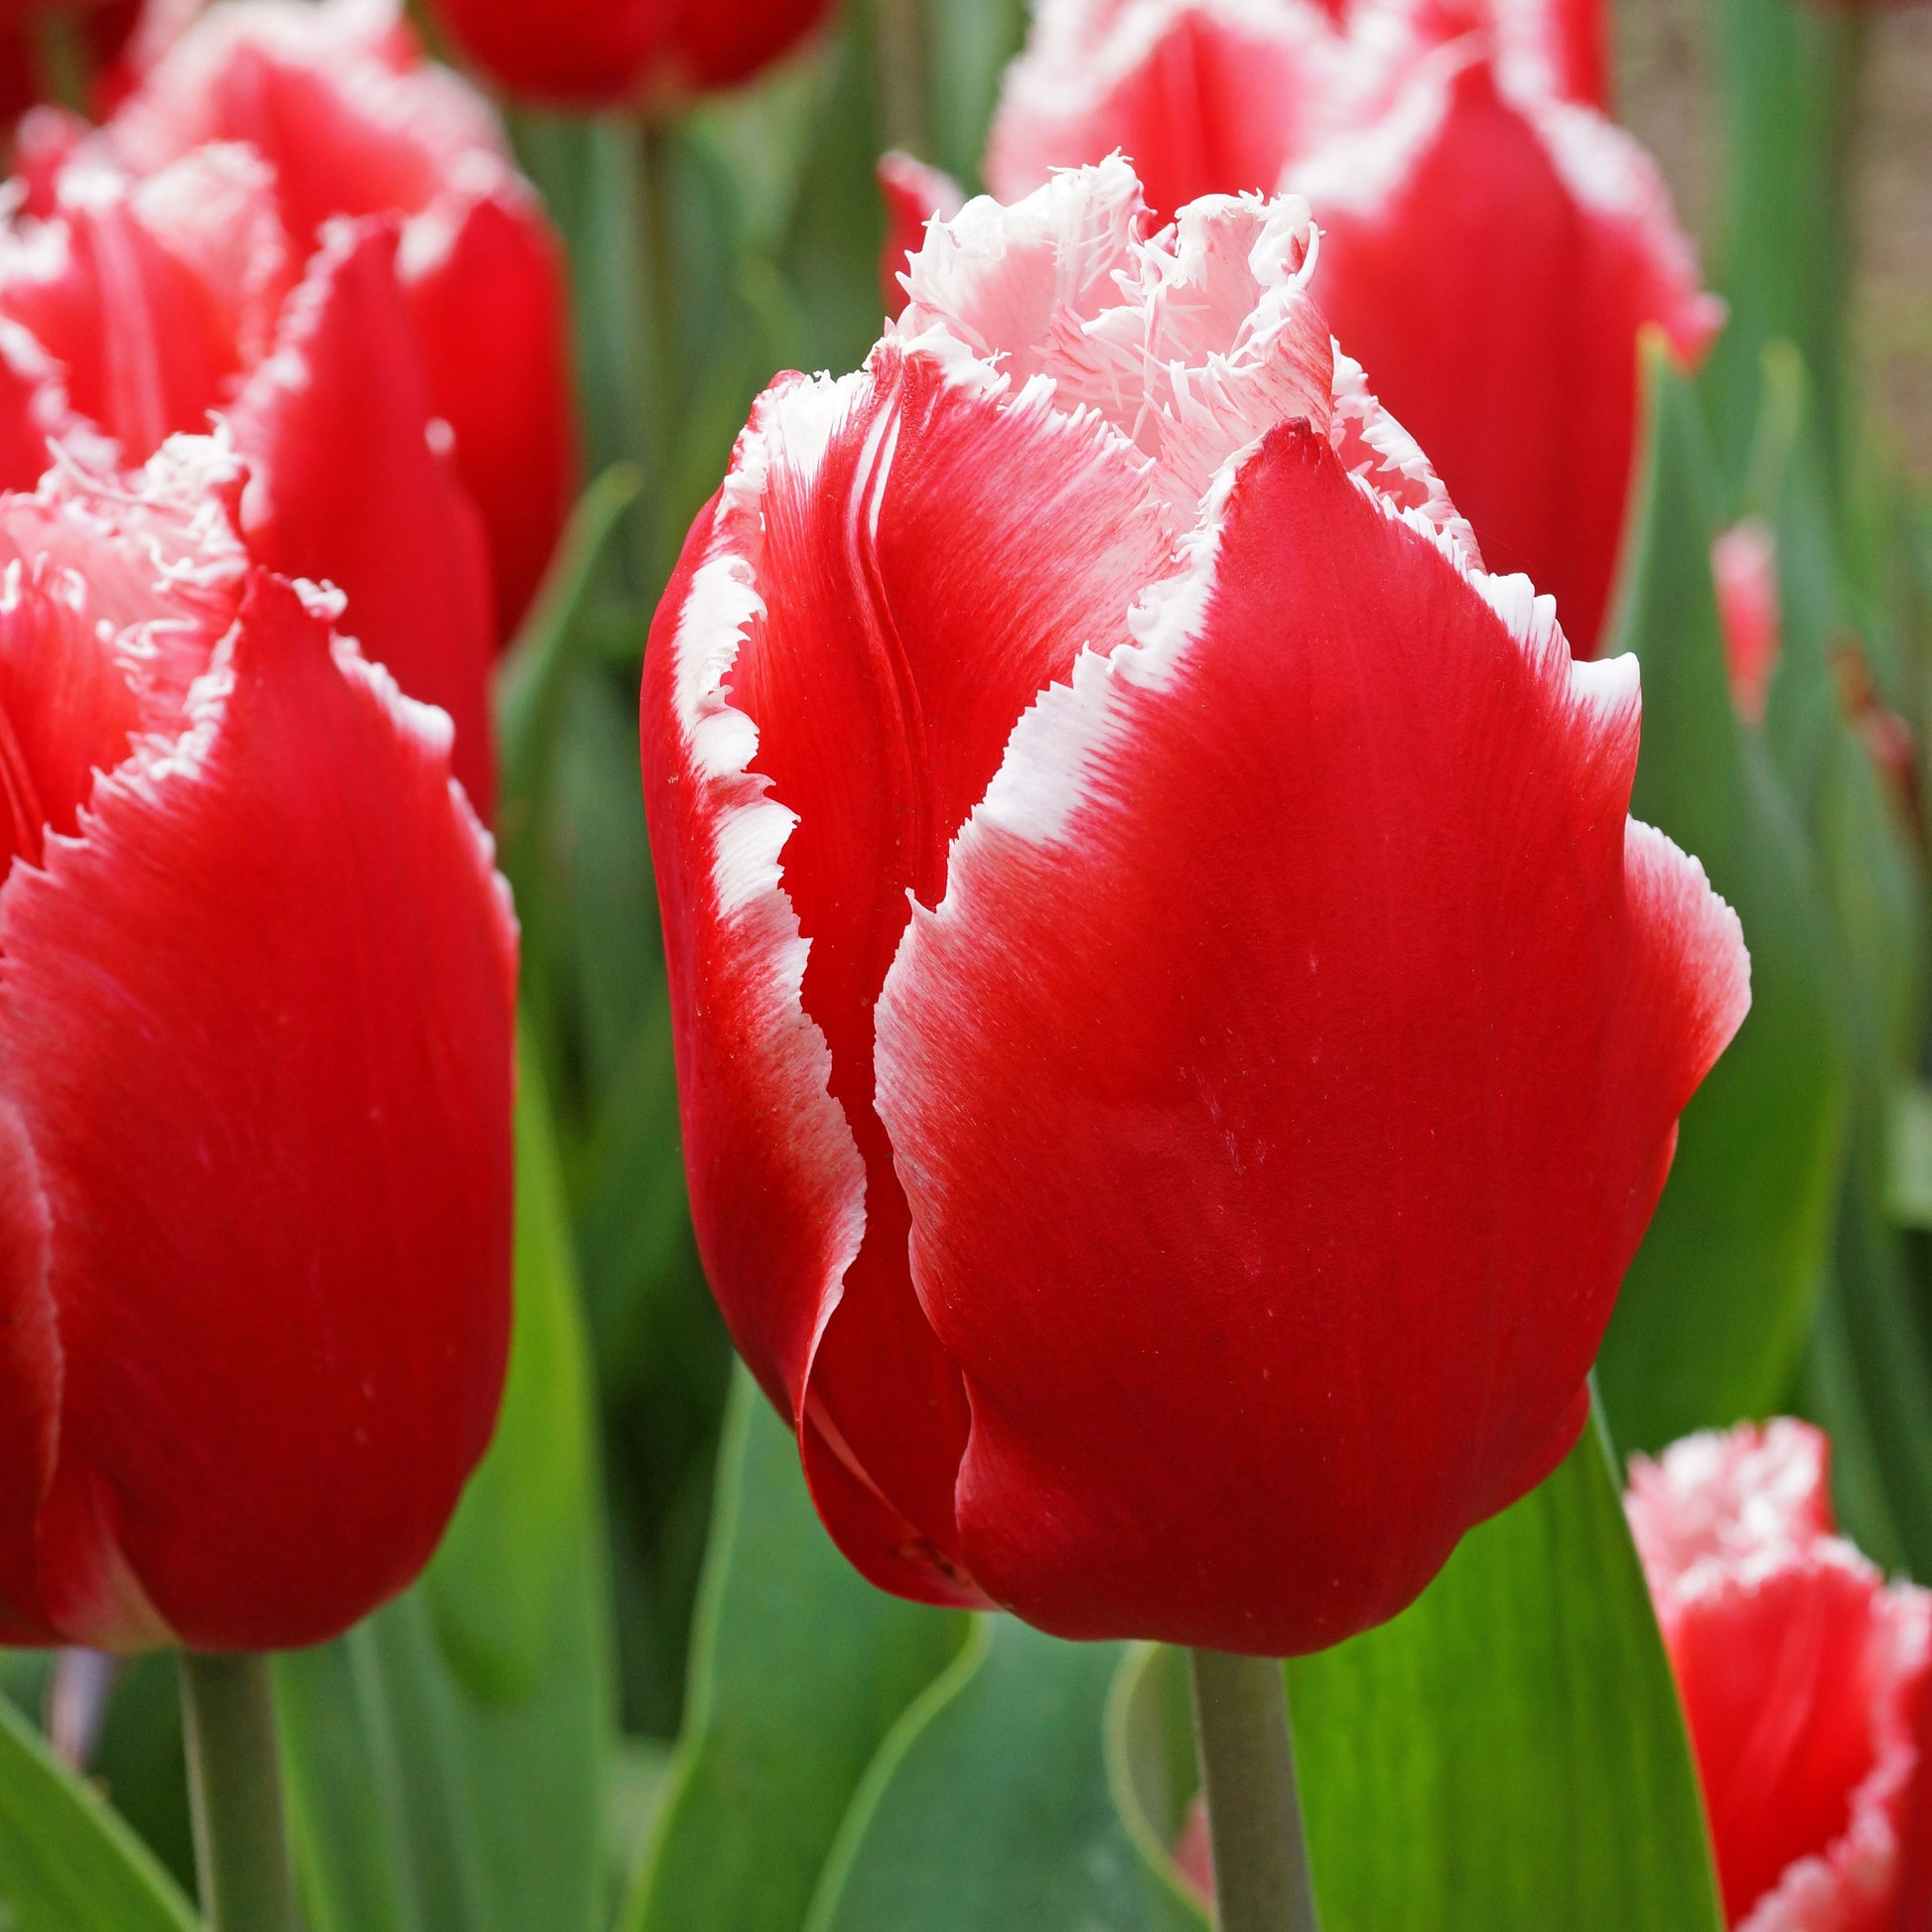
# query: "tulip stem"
{"type": "Point", "coordinates": [234, 1786]}
{"type": "Point", "coordinates": [1254, 1812]}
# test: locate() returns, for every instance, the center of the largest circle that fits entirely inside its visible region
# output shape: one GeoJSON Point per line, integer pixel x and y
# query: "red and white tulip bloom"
{"type": "Point", "coordinates": [257, 985]}
{"type": "Point", "coordinates": [1177, 1037]}
{"type": "Point", "coordinates": [1805, 1678]}
{"type": "Point", "coordinates": [1491, 244]}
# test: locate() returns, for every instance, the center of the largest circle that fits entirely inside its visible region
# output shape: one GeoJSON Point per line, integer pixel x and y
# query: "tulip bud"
{"type": "Point", "coordinates": [1804, 1677]}
{"type": "Point", "coordinates": [257, 977]}
{"type": "Point", "coordinates": [605, 53]}
{"type": "Point", "coordinates": [1177, 1037]}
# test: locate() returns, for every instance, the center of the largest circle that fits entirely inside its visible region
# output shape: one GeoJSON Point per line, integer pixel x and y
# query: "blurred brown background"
{"type": "Point", "coordinates": [1664, 79]}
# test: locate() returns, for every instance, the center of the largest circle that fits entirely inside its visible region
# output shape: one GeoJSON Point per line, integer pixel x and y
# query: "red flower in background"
{"type": "Point", "coordinates": [1491, 256]}
{"type": "Point", "coordinates": [1164, 1117]}
{"type": "Point", "coordinates": [338, 101]}
{"type": "Point", "coordinates": [193, 256]}
{"type": "Point", "coordinates": [592, 53]}
{"type": "Point", "coordinates": [257, 980]}
{"type": "Point", "coordinates": [1744, 571]}
{"type": "Point", "coordinates": [1491, 244]}
{"type": "Point", "coordinates": [1202, 97]}
{"type": "Point", "coordinates": [1804, 1677]}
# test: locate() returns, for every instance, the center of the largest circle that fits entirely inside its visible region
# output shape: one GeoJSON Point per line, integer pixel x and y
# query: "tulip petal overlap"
{"type": "Point", "coordinates": [1160, 957]}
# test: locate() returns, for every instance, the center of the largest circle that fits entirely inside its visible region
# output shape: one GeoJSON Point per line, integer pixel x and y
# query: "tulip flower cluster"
{"type": "Point", "coordinates": [295, 222]}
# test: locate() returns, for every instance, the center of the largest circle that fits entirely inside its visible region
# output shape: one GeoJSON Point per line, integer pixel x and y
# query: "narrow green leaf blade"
{"type": "Point", "coordinates": [66, 1862]}
{"type": "Point", "coordinates": [799, 1669]}
{"type": "Point", "coordinates": [448, 1759]}
{"type": "Point", "coordinates": [1508, 1755]}
{"type": "Point", "coordinates": [992, 1806]}
{"type": "Point", "coordinates": [1714, 1309]}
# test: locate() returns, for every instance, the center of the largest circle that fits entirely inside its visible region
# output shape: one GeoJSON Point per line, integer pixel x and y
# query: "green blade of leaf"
{"type": "Point", "coordinates": [992, 1807]}
{"type": "Point", "coordinates": [1715, 1307]}
{"type": "Point", "coordinates": [1508, 1755]}
{"type": "Point", "coordinates": [448, 1759]}
{"type": "Point", "coordinates": [799, 1669]}
{"type": "Point", "coordinates": [66, 1862]}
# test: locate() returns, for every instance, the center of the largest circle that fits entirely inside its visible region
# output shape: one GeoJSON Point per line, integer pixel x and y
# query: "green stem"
{"type": "Point", "coordinates": [234, 1787]}
{"type": "Point", "coordinates": [1254, 1813]}
{"type": "Point", "coordinates": [899, 60]}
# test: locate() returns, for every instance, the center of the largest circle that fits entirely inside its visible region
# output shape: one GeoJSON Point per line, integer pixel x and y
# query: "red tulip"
{"type": "Point", "coordinates": [592, 53]}
{"type": "Point", "coordinates": [1745, 569]}
{"type": "Point", "coordinates": [348, 487]}
{"type": "Point", "coordinates": [257, 976]}
{"type": "Point", "coordinates": [352, 120]}
{"type": "Point", "coordinates": [1804, 1678]}
{"type": "Point", "coordinates": [1491, 256]}
{"type": "Point", "coordinates": [1490, 251]}
{"type": "Point", "coordinates": [1177, 1039]}
{"type": "Point", "coordinates": [1202, 97]}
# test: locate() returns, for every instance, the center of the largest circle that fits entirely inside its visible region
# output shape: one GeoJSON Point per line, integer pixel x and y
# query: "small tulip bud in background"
{"type": "Point", "coordinates": [1745, 569]}
{"type": "Point", "coordinates": [1177, 1037]}
{"type": "Point", "coordinates": [258, 981]}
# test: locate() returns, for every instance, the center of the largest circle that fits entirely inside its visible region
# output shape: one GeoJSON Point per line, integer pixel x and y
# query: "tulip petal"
{"type": "Point", "coordinates": [277, 1368]}
{"type": "Point", "coordinates": [1352, 799]}
{"type": "Point", "coordinates": [347, 487]}
{"type": "Point", "coordinates": [486, 283]}
{"type": "Point", "coordinates": [30, 1377]}
{"type": "Point", "coordinates": [1205, 98]}
{"type": "Point", "coordinates": [1489, 259]}
{"type": "Point", "coordinates": [899, 564]}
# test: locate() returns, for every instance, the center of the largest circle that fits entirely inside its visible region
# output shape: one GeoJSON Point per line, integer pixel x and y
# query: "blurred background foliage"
{"type": "Point", "coordinates": [639, 1685]}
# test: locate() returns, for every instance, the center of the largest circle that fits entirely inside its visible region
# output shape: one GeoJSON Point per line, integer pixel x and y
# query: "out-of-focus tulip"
{"type": "Point", "coordinates": [592, 53]}
{"type": "Point", "coordinates": [346, 486]}
{"type": "Point", "coordinates": [1202, 97]}
{"type": "Point", "coordinates": [913, 194]}
{"type": "Point", "coordinates": [257, 976]}
{"type": "Point", "coordinates": [1745, 569]}
{"type": "Point", "coordinates": [165, 298]}
{"type": "Point", "coordinates": [1491, 256]}
{"type": "Point", "coordinates": [1177, 1039]}
{"type": "Point", "coordinates": [1490, 250]}
{"type": "Point", "coordinates": [1804, 1677]}
{"type": "Point", "coordinates": [338, 101]}
{"type": "Point", "coordinates": [98, 33]}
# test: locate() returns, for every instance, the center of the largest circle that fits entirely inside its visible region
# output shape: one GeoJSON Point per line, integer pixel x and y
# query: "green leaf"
{"type": "Point", "coordinates": [991, 1806]}
{"type": "Point", "coordinates": [1508, 1755]}
{"type": "Point", "coordinates": [1715, 1307]}
{"type": "Point", "coordinates": [799, 1669]}
{"type": "Point", "coordinates": [1789, 71]}
{"type": "Point", "coordinates": [66, 1862]}
{"type": "Point", "coordinates": [447, 1760]}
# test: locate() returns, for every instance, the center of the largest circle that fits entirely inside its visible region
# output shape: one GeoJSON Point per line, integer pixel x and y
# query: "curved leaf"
{"type": "Point", "coordinates": [66, 1862]}
{"type": "Point", "coordinates": [799, 1669]}
{"type": "Point", "coordinates": [990, 1807]}
{"type": "Point", "coordinates": [1508, 1755]}
{"type": "Point", "coordinates": [1715, 1307]}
